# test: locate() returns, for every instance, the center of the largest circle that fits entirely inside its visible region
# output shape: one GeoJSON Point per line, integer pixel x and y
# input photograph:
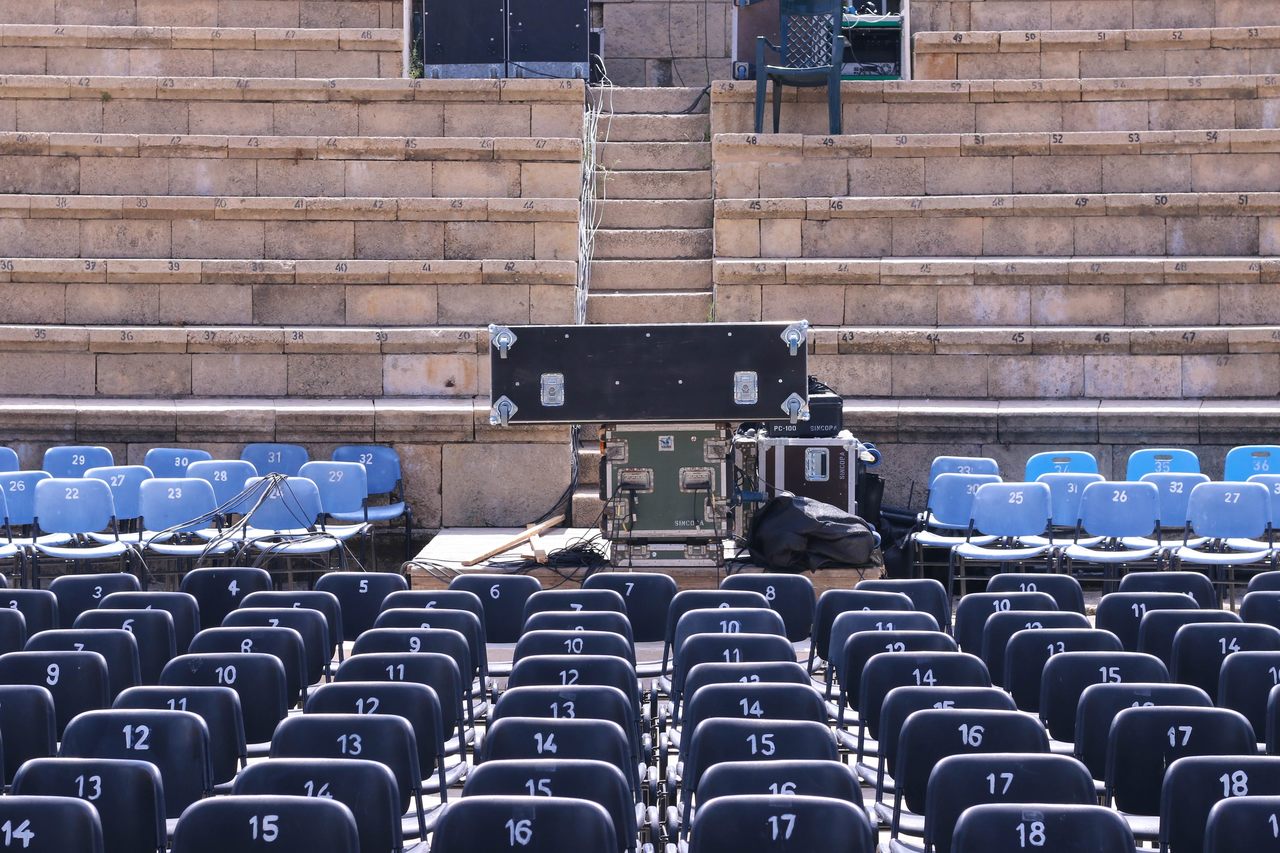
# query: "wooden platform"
{"type": "Point", "coordinates": [443, 556]}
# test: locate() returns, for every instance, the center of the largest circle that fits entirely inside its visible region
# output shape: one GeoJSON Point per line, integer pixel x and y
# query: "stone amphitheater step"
{"type": "Point", "coordinates": [1119, 224]}
{"type": "Point", "coordinates": [653, 244]}
{"type": "Point", "coordinates": [587, 506]}
{"type": "Point", "coordinates": [633, 213]}
{"type": "Point", "coordinates": [288, 227]}
{"type": "Point", "coordinates": [293, 107]}
{"type": "Point", "coordinates": [647, 184]}
{"type": "Point", "coordinates": [629, 275]}
{"type": "Point", "coordinates": [73, 163]}
{"type": "Point", "coordinates": [1048, 54]}
{"type": "Point", "coordinates": [1132, 292]}
{"type": "Point", "coordinates": [1087, 14]}
{"type": "Point", "coordinates": [792, 165]}
{"type": "Point", "coordinates": [647, 100]}
{"type": "Point", "coordinates": [199, 51]}
{"type": "Point", "coordinates": [664, 127]}
{"type": "Point", "coordinates": [207, 13]}
{"type": "Point", "coordinates": [646, 155]}
{"type": "Point", "coordinates": [634, 306]}
{"type": "Point", "coordinates": [278, 292]}
{"type": "Point", "coordinates": [983, 106]}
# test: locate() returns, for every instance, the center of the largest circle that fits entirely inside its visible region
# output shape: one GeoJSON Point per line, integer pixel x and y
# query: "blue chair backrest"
{"type": "Point", "coordinates": [1060, 462]}
{"type": "Point", "coordinates": [1120, 509]}
{"type": "Point", "coordinates": [962, 465]}
{"type": "Point", "coordinates": [343, 486]}
{"type": "Point", "coordinates": [75, 506]}
{"type": "Point", "coordinates": [1272, 482]}
{"type": "Point", "coordinates": [1243, 462]}
{"type": "Point", "coordinates": [290, 505]}
{"type": "Point", "coordinates": [227, 476]}
{"type": "Point", "coordinates": [1065, 492]}
{"type": "Point", "coordinates": [1012, 509]}
{"type": "Point", "coordinates": [951, 498]}
{"type": "Point", "coordinates": [1175, 492]}
{"type": "Point", "coordinates": [125, 482]}
{"type": "Point", "coordinates": [381, 465]}
{"type": "Point", "coordinates": [1161, 460]}
{"type": "Point", "coordinates": [271, 458]}
{"type": "Point", "coordinates": [179, 505]}
{"type": "Point", "coordinates": [74, 461]}
{"type": "Point", "coordinates": [9, 460]}
{"type": "Point", "coordinates": [19, 489]}
{"type": "Point", "coordinates": [173, 461]}
{"type": "Point", "coordinates": [1230, 510]}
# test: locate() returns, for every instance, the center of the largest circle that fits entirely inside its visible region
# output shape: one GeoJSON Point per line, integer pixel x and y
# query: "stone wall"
{"type": "Point", "coordinates": [665, 42]}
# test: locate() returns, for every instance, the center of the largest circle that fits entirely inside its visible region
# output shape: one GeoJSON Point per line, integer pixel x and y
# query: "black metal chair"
{"type": "Point", "coordinates": [811, 54]}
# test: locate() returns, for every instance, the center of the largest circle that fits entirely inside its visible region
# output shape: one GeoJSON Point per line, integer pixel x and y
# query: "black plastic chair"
{"type": "Point", "coordinates": [285, 644]}
{"type": "Point", "coordinates": [1067, 675]}
{"type": "Point", "coordinates": [288, 824]}
{"type": "Point", "coordinates": [219, 591]}
{"type": "Point", "coordinates": [529, 738]}
{"type": "Point", "coordinates": [1121, 612]}
{"type": "Point", "coordinates": [853, 622]}
{"type": "Point", "coordinates": [361, 595]}
{"type": "Point", "coordinates": [811, 54]}
{"type": "Point", "coordinates": [38, 607]}
{"type": "Point", "coordinates": [182, 606]}
{"type": "Point", "coordinates": [864, 645]}
{"type": "Point", "coordinates": [926, 594]}
{"type": "Point", "coordinates": [1158, 628]}
{"type": "Point", "coordinates": [308, 599]}
{"type": "Point", "coordinates": [579, 702]}
{"type": "Point", "coordinates": [791, 596]}
{"type": "Point", "coordinates": [800, 777]}
{"type": "Point", "coordinates": [28, 725]}
{"type": "Point", "coordinates": [1099, 704]}
{"type": "Point", "coordinates": [1245, 681]}
{"type": "Point", "coordinates": [1201, 650]}
{"type": "Point", "coordinates": [1065, 589]}
{"type": "Point", "coordinates": [77, 681]}
{"type": "Point", "coordinates": [219, 707]}
{"type": "Point", "coordinates": [78, 593]}
{"type": "Point", "coordinates": [1194, 584]}
{"type": "Point", "coordinates": [834, 602]}
{"type": "Point", "coordinates": [41, 824]}
{"type": "Point", "coordinates": [528, 824]}
{"type": "Point", "coordinates": [647, 596]}
{"type": "Point", "coordinates": [584, 620]}
{"type": "Point", "coordinates": [504, 598]}
{"type": "Point", "coordinates": [117, 646]}
{"type": "Point", "coordinates": [1044, 828]}
{"type": "Point", "coordinates": [128, 796]}
{"type": "Point", "coordinates": [1027, 652]}
{"type": "Point", "coordinates": [258, 679]}
{"type": "Point", "coordinates": [974, 608]}
{"type": "Point", "coordinates": [437, 671]}
{"type": "Point", "coordinates": [152, 629]}
{"type": "Point", "coordinates": [1242, 823]}
{"type": "Point", "coordinates": [1001, 627]}
{"type": "Point", "coordinates": [795, 824]}
{"type": "Point", "coordinates": [573, 643]}
{"type": "Point", "coordinates": [1194, 785]}
{"type": "Point", "coordinates": [310, 624]}
{"type": "Point", "coordinates": [573, 600]}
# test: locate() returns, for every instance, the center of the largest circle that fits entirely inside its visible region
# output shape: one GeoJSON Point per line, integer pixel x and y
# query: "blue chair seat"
{"type": "Point", "coordinates": [972, 551]}
{"type": "Point", "coordinates": [46, 539]}
{"type": "Point", "coordinates": [7, 551]}
{"type": "Point", "coordinates": [194, 549]}
{"type": "Point", "coordinates": [1139, 543]}
{"type": "Point", "coordinates": [108, 538]}
{"type": "Point", "coordinates": [319, 544]}
{"type": "Point", "coordinates": [1064, 541]}
{"type": "Point", "coordinates": [1097, 555]}
{"type": "Point", "coordinates": [89, 552]}
{"type": "Point", "coordinates": [1232, 558]}
{"type": "Point", "coordinates": [930, 539]}
{"type": "Point", "coordinates": [387, 512]}
{"type": "Point", "coordinates": [1251, 545]}
{"type": "Point", "coordinates": [347, 531]}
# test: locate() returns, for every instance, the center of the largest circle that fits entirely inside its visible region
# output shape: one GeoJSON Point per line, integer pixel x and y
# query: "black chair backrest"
{"type": "Point", "coordinates": [1242, 823]}
{"type": "Point", "coordinates": [258, 679]}
{"type": "Point", "coordinates": [383, 738]}
{"type": "Point", "coordinates": [1261, 607]}
{"type": "Point", "coordinates": [806, 30]}
{"type": "Point", "coordinates": [503, 597]}
{"type": "Point", "coordinates": [127, 795]}
{"type": "Point", "coordinates": [791, 824]}
{"type": "Point", "coordinates": [833, 602]}
{"type": "Point", "coordinates": [284, 644]}
{"type": "Point", "coordinates": [1200, 650]}
{"type": "Point", "coordinates": [530, 824]}
{"type": "Point", "coordinates": [39, 607]}
{"type": "Point", "coordinates": [725, 648]}
{"type": "Point", "coordinates": [886, 671]}
{"type": "Point", "coordinates": [858, 621]}
{"type": "Point", "coordinates": [765, 672]}
{"type": "Point", "coordinates": [78, 681]}
{"type": "Point", "coordinates": [930, 735]}
{"type": "Point", "coordinates": [288, 824]}
{"type": "Point", "coordinates": [311, 626]}
{"type": "Point", "coordinates": [754, 702]}
{"type": "Point", "coordinates": [647, 596]}
{"type": "Point", "coordinates": [727, 620]}
{"type": "Point", "coordinates": [153, 630]}
{"type": "Point", "coordinates": [927, 594]}
{"type": "Point", "coordinates": [1099, 704]}
{"type": "Point", "coordinates": [578, 779]}
{"type": "Point", "coordinates": [28, 725]}
{"type": "Point", "coordinates": [1244, 683]}
{"type": "Point", "coordinates": [973, 610]}
{"type": "Point", "coordinates": [584, 620]}
{"type": "Point", "coordinates": [361, 595]}
{"type": "Point", "coordinates": [902, 702]}
{"type": "Point", "coordinates": [699, 599]}
{"type": "Point", "coordinates": [862, 646]}
{"type": "Point", "coordinates": [571, 670]}
{"type": "Point", "coordinates": [574, 601]}
{"type": "Point", "coordinates": [219, 707]}
{"type": "Point", "coordinates": [220, 591]}
{"type": "Point", "coordinates": [42, 824]}
{"type": "Point", "coordinates": [176, 742]}
{"type": "Point", "coordinates": [367, 788]}
{"type": "Point", "coordinates": [117, 646]}
{"type": "Point", "coordinates": [581, 702]}
{"type": "Point", "coordinates": [1158, 628]}
{"type": "Point", "coordinates": [309, 599]}
{"type": "Point", "coordinates": [573, 643]}
{"type": "Point", "coordinates": [13, 630]}
{"type": "Point", "coordinates": [1195, 784]}
{"type": "Point", "coordinates": [1066, 676]}
{"type": "Point", "coordinates": [529, 738]}
{"type": "Point", "coordinates": [1121, 612]}
{"type": "Point", "coordinates": [464, 622]}
{"type": "Point", "coordinates": [1194, 584]}
{"type": "Point", "coordinates": [437, 671]}
{"type": "Point", "coordinates": [1144, 741]}
{"type": "Point", "coordinates": [1000, 627]}
{"type": "Point", "coordinates": [1026, 652]}
{"type": "Point", "coordinates": [181, 606]}
{"type": "Point", "coordinates": [414, 640]}
{"type": "Point", "coordinates": [1065, 589]}
{"type": "Point", "coordinates": [417, 704]}
{"type": "Point", "coordinates": [960, 782]}
{"type": "Point", "coordinates": [801, 777]}
{"type": "Point", "coordinates": [792, 596]}
{"type": "Point", "coordinates": [437, 599]}
{"type": "Point", "coordinates": [1046, 829]}
{"type": "Point", "coordinates": [78, 593]}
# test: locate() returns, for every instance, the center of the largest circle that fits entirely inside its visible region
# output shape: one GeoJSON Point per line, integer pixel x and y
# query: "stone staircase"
{"type": "Point", "coordinates": [653, 246]}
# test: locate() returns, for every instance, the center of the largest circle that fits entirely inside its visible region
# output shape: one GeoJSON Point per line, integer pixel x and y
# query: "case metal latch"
{"type": "Point", "coordinates": [502, 412]}
{"type": "Point", "coordinates": [796, 408]}
{"type": "Point", "coordinates": [502, 338]}
{"type": "Point", "coordinates": [552, 389]}
{"type": "Point", "coordinates": [795, 335]}
{"type": "Point", "coordinates": [746, 388]}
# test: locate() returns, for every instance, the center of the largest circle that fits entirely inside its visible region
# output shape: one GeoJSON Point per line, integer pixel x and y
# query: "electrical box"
{"type": "Point", "coordinates": [463, 40]}
{"type": "Point", "coordinates": [548, 38]}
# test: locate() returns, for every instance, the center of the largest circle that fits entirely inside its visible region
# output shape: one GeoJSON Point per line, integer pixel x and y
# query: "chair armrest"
{"type": "Point", "coordinates": [761, 44]}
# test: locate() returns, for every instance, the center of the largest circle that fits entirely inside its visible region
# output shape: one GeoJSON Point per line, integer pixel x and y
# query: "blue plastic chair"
{"type": "Point", "coordinates": [287, 521]}
{"type": "Point", "coordinates": [1065, 492]}
{"type": "Point", "coordinates": [77, 507]}
{"type": "Point", "coordinates": [271, 458]}
{"type": "Point", "coordinates": [1115, 512]}
{"type": "Point", "coordinates": [1245, 461]}
{"type": "Point", "coordinates": [1008, 511]}
{"type": "Point", "coordinates": [948, 509]}
{"type": "Point", "coordinates": [385, 477]}
{"type": "Point", "coordinates": [227, 476]}
{"type": "Point", "coordinates": [1175, 492]}
{"type": "Point", "coordinates": [9, 460]}
{"type": "Point", "coordinates": [9, 550]}
{"type": "Point", "coordinates": [344, 488]}
{"type": "Point", "coordinates": [174, 511]}
{"type": "Point", "coordinates": [125, 482]}
{"type": "Point", "coordinates": [1060, 462]}
{"type": "Point", "coordinates": [811, 54]}
{"type": "Point", "coordinates": [19, 489]}
{"type": "Point", "coordinates": [962, 465]}
{"type": "Point", "coordinates": [1161, 460]}
{"type": "Point", "coordinates": [173, 461]}
{"type": "Point", "coordinates": [1223, 512]}
{"type": "Point", "coordinates": [74, 461]}
{"type": "Point", "coordinates": [1272, 484]}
